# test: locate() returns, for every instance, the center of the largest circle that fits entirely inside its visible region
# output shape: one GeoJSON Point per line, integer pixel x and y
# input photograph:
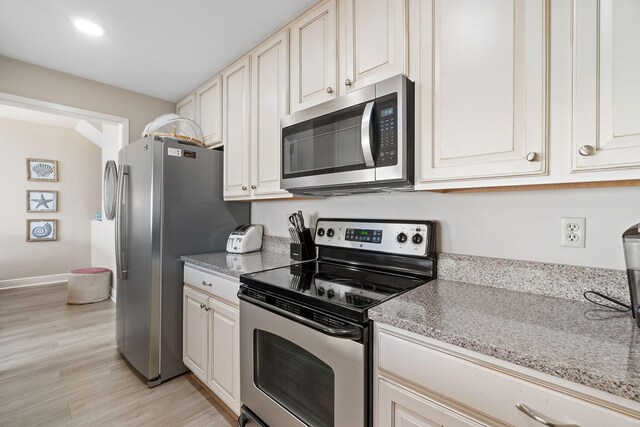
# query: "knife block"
{"type": "Point", "coordinates": [306, 249]}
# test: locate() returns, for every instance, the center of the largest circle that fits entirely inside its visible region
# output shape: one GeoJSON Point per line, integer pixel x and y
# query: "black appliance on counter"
{"type": "Point", "coordinates": [305, 336]}
{"type": "Point", "coordinates": [631, 240]}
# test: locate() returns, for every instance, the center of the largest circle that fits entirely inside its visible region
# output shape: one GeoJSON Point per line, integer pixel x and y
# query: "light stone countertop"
{"type": "Point", "coordinates": [569, 339]}
{"type": "Point", "coordinates": [274, 254]}
{"type": "Point", "coordinates": [236, 264]}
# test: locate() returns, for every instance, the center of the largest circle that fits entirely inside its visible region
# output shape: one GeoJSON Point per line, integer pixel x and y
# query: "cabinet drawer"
{"type": "Point", "coordinates": [486, 390]}
{"type": "Point", "coordinates": [224, 289]}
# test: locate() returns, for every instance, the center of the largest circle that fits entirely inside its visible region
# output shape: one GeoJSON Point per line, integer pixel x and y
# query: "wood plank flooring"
{"type": "Point", "coordinates": [59, 365]}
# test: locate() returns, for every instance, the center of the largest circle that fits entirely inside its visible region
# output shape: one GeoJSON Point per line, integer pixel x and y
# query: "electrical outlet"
{"type": "Point", "coordinates": [573, 232]}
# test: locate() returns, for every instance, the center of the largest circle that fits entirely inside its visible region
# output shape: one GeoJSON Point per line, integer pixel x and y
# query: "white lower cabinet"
{"type": "Point", "coordinates": [402, 407]}
{"type": "Point", "coordinates": [211, 346]}
{"type": "Point", "coordinates": [224, 353]}
{"type": "Point", "coordinates": [423, 382]}
{"type": "Point", "coordinates": [194, 332]}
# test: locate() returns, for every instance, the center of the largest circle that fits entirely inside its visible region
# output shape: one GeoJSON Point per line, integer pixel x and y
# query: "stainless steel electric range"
{"type": "Point", "coordinates": [305, 337]}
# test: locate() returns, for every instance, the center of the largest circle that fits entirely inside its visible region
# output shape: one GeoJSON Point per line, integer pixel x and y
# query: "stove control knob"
{"type": "Point", "coordinates": [401, 238]}
{"type": "Point", "coordinates": [320, 291]}
{"type": "Point", "coordinates": [417, 239]}
{"type": "Point", "coordinates": [320, 232]}
{"type": "Point", "coordinates": [330, 232]}
{"type": "Point", "coordinates": [331, 293]}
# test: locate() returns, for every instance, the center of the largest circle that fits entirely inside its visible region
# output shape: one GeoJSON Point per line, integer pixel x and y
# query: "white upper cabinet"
{"type": "Point", "coordinates": [208, 101]}
{"type": "Point", "coordinates": [186, 107]}
{"type": "Point", "coordinates": [606, 91]}
{"type": "Point", "coordinates": [373, 41]}
{"type": "Point", "coordinates": [270, 103]}
{"type": "Point", "coordinates": [481, 88]}
{"type": "Point", "coordinates": [204, 106]}
{"type": "Point", "coordinates": [313, 57]}
{"type": "Point", "coordinates": [236, 114]}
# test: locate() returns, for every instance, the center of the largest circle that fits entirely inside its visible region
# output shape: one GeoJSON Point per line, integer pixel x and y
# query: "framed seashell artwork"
{"type": "Point", "coordinates": [42, 230]}
{"type": "Point", "coordinates": [42, 170]}
{"type": "Point", "coordinates": [42, 201]}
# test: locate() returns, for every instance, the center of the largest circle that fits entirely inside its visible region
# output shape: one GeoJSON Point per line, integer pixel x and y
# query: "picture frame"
{"type": "Point", "coordinates": [42, 201]}
{"type": "Point", "coordinates": [42, 230]}
{"type": "Point", "coordinates": [42, 170]}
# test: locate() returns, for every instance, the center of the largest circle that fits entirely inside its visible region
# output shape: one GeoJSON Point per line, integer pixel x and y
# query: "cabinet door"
{"type": "Point", "coordinates": [269, 85]}
{"type": "Point", "coordinates": [209, 110]}
{"type": "Point", "coordinates": [401, 407]}
{"type": "Point", "coordinates": [187, 107]}
{"type": "Point", "coordinates": [481, 88]}
{"type": "Point", "coordinates": [224, 353]}
{"type": "Point", "coordinates": [236, 113]}
{"type": "Point", "coordinates": [313, 57]}
{"type": "Point", "coordinates": [606, 103]}
{"type": "Point", "coordinates": [194, 332]}
{"type": "Point", "coordinates": [373, 41]}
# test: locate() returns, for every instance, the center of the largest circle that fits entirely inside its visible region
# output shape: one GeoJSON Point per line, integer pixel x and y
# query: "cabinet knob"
{"type": "Point", "coordinates": [329, 89]}
{"type": "Point", "coordinates": [532, 156]}
{"type": "Point", "coordinates": [586, 150]}
{"type": "Point", "coordinates": [347, 82]}
{"type": "Point", "coordinates": [244, 188]}
{"type": "Point", "coordinates": [202, 306]}
{"type": "Point", "coordinates": [253, 187]}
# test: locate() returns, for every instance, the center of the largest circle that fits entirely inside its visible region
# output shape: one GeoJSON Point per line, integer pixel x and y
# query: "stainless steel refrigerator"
{"type": "Point", "coordinates": [170, 203]}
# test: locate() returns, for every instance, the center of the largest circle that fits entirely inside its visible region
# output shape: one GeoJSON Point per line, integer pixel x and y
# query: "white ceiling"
{"type": "Point", "coordinates": [160, 48]}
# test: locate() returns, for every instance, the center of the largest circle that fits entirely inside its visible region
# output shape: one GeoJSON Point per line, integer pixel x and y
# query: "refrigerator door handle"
{"type": "Point", "coordinates": [121, 222]}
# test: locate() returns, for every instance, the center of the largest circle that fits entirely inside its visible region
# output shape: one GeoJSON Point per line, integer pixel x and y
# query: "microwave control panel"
{"type": "Point", "coordinates": [387, 108]}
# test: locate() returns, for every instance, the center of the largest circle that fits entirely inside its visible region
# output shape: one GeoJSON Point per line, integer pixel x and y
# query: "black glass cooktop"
{"type": "Point", "coordinates": [335, 288]}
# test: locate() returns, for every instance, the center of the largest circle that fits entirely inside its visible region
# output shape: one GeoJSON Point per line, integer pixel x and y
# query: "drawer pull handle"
{"type": "Point", "coordinates": [537, 417]}
{"type": "Point", "coordinates": [205, 283]}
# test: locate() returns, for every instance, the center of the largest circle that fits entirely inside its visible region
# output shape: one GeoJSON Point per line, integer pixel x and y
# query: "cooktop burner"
{"type": "Point", "coordinates": [351, 276]}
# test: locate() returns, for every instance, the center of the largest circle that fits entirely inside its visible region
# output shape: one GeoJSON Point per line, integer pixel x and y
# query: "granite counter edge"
{"type": "Point", "coordinates": [569, 373]}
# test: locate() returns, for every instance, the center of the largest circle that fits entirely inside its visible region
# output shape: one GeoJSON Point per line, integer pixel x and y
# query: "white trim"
{"type": "Point", "coordinates": [78, 113]}
{"type": "Point", "coordinates": [34, 281]}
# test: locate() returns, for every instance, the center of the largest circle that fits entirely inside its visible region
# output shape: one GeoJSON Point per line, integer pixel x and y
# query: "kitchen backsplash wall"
{"type": "Point", "coordinates": [79, 198]}
{"type": "Point", "coordinates": [523, 225]}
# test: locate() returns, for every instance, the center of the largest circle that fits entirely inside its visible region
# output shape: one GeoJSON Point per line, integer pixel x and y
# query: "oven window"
{"type": "Point", "coordinates": [295, 378]}
{"type": "Point", "coordinates": [327, 144]}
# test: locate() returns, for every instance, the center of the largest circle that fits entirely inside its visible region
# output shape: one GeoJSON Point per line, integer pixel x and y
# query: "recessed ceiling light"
{"type": "Point", "coordinates": [88, 27]}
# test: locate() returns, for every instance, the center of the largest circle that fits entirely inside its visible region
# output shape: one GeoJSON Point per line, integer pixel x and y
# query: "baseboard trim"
{"type": "Point", "coordinates": [34, 281]}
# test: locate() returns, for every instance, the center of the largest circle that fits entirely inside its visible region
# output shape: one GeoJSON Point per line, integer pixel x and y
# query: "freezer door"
{"type": "Point", "coordinates": [195, 219]}
{"type": "Point", "coordinates": [139, 291]}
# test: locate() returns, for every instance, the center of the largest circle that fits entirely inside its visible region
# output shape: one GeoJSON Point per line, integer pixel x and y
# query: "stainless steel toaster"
{"type": "Point", "coordinates": [245, 238]}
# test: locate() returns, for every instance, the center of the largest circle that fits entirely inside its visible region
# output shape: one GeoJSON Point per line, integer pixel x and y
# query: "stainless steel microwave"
{"type": "Point", "coordinates": [359, 142]}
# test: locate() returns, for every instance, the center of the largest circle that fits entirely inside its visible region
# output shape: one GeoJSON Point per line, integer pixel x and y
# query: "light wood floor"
{"type": "Point", "coordinates": [59, 365]}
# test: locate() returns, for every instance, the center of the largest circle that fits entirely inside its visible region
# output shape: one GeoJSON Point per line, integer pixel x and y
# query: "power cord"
{"type": "Point", "coordinates": [608, 298]}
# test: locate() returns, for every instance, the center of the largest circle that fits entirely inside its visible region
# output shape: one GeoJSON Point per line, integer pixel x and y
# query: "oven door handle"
{"type": "Point", "coordinates": [366, 134]}
{"type": "Point", "coordinates": [352, 333]}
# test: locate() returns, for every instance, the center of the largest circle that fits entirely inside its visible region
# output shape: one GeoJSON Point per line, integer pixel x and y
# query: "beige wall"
{"type": "Point", "coordinates": [31, 81]}
{"type": "Point", "coordinates": [505, 224]}
{"type": "Point", "coordinates": [79, 199]}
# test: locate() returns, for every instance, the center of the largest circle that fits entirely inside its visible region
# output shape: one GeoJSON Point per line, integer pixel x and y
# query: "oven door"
{"type": "Point", "coordinates": [294, 375]}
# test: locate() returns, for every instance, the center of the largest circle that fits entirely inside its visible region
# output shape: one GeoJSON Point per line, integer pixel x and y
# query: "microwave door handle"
{"type": "Point", "coordinates": [366, 132]}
